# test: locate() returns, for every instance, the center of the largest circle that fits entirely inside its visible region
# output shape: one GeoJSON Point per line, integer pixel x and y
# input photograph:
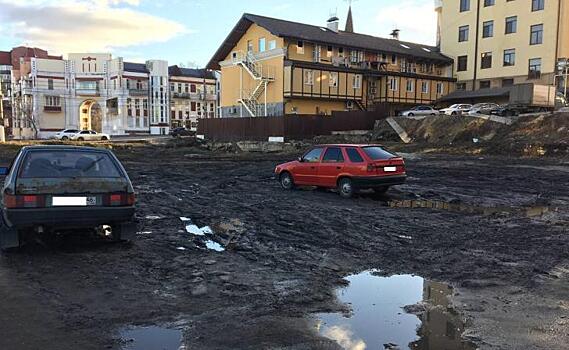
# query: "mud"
{"type": "Point", "coordinates": [287, 253]}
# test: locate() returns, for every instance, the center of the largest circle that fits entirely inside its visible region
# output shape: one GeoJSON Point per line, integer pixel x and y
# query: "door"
{"type": "Point", "coordinates": [306, 173]}
{"type": "Point", "coordinates": [331, 166]}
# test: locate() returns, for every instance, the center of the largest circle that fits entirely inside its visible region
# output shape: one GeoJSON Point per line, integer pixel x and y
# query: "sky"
{"type": "Point", "coordinates": [187, 32]}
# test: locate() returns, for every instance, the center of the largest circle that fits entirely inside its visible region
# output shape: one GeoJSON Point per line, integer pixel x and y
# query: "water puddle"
{"type": "Point", "coordinates": [212, 245]}
{"type": "Point", "coordinates": [530, 212]}
{"type": "Point", "coordinates": [378, 320]}
{"type": "Point", "coordinates": [152, 338]}
{"type": "Point", "coordinates": [201, 232]}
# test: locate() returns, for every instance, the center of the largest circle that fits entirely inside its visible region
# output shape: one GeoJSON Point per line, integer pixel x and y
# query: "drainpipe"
{"type": "Point", "coordinates": [476, 45]}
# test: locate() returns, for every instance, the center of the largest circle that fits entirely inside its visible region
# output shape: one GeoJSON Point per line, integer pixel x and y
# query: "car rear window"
{"type": "Point", "coordinates": [377, 153]}
{"type": "Point", "coordinates": [68, 164]}
{"type": "Point", "coordinates": [354, 155]}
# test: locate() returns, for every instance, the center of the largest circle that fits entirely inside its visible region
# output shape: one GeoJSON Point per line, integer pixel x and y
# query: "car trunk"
{"type": "Point", "coordinates": [393, 166]}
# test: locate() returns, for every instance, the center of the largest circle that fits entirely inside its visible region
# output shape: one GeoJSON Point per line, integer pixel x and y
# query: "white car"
{"type": "Point", "coordinates": [65, 134]}
{"type": "Point", "coordinates": [89, 135]}
{"type": "Point", "coordinates": [420, 110]}
{"type": "Point", "coordinates": [456, 109]}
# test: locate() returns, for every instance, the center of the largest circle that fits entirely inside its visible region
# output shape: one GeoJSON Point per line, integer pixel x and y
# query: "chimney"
{"type": "Point", "coordinates": [395, 34]}
{"type": "Point", "coordinates": [334, 24]}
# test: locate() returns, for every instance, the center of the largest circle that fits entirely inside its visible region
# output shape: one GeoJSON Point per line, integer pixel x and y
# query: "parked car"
{"type": "Point", "coordinates": [420, 110]}
{"type": "Point", "coordinates": [65, 134]}
{"type": "Point", "coordinates": [89, 135]}
{"type": "Point", "coordinates": [508, 110]}
{"type": "Point", "coordinates": [347, 168]}
{"type": "Point", "coordinates": [181, 131]}
{"type": "Point", "coordinates": [482, 108]}
{"type": "Point", "coordinates": [60, 188]}
{"type": "Point", "coordinates": [456, 109]}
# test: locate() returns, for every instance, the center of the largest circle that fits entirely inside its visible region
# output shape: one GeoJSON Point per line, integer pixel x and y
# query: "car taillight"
{"type": "Point", "coordinates": [119, 199]}
{"type": "Point", "coordinates": [26, 201]}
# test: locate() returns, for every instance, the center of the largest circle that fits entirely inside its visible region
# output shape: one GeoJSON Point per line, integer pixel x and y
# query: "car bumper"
{"type": "Point", "coordinates": [63, 218]}
{"type": "Point", "coordinates": [379, 181]}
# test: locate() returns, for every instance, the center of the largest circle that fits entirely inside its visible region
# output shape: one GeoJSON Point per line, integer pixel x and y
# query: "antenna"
{"type": "Point", "coordinates": [333, 13]}
{"type": "Point", "coordinates": [350, 2]}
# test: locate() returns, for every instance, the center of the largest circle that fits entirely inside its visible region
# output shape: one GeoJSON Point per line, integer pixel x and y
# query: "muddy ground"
{"type": "Point", "coordinates": [288, 252]}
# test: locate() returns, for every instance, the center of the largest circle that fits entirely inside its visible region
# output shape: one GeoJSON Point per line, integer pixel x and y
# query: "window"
{"type": "Point", "coordinates": [333, 155]}
{"type": "Point", "coordinates": [486, 61]}
{"type": "Point", "coordinates": [52, 101]}
{"type": "Point", "coordinates": [464, 5]}
{"type": "Point", "coordinates": [534, 68]}
{"type": "Point", "coordinates": [393, 59]}
{"type": "Point", "coordinates": [485, 84]}
{"type": "Point", "coordinates": [357, 81]}
{"type": "Point", "coordinates": [250, 46]}
{"type": "Point", "coordinates": [462, 64]}
{"type": "Point", "coordinates": [440, 89]}
{"type": "Point", "coordinates": [308, 77]}
{"type": "Point", "coordinates": [489, 3]}
{"type": "Point", "coordinates": [193, 88]}
{"type": "Point", "coordinates": [329, 51]}
{"type": "Point", "coordinates": [537, 5]}
{"type": "Point", "coordinates": [410, 85]}
{"type": "Point", "coordinates": [393, 82]}
{"type": "Point", "coordinates": [300, 47]}
{"type": "Point", "coordinates": [536, 34]}
{"type": "Point", "coordinates": [334, 79]}
{"type": "Point", "coordinates": [507, 82]}
{"type": "Point", "coordinates": [354, 155]}
{"type": "Point", "coordinates": [461, 86]}
{"type": "Point", "coordinates": [341, 51]}
{"type": "Point", "coordinates": [425, 87]}
{"type": "Point", "coordinates": [313, 156]}
{"type": "Point", "coordinates": [378, 153]}
{"type": "Point", "coordinates": [511, 24]}
{"type": "Point", "coordinates": [272, 44]}
{"type": "Point", "coordinates": [463, 33]}
{"type": "Point", "coordinates": [68, 164]}
{"type": "Point", "coordinates": [488, 29]}
{"type": "Point", "coordinates": [262, 44]}
{"type": "Point", "coordinates": [509, 57]}
{"type": "Point", "coordinates": [355, 56]}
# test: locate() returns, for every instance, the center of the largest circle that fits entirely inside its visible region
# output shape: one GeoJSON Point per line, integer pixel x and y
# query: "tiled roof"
{"type": "Point", "coordinates": [322, 35]}
{"type": "Point", "coordinates": [190, 72]}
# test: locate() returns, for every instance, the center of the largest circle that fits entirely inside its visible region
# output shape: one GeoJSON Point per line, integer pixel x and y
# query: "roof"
{"type": "Point", "coordinates": [481, 93]}
{"type": "Point", "coordinates": [5, 58]}
{"type": "Point", "coordinates": [190, 72]}
{"type": "Point", "coordinates": [135, 67]}
{"type": "Point", "coordinates": [307, 32]}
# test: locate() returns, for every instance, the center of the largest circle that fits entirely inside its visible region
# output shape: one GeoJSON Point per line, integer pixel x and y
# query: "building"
{"type": "Point", "coordinates": [98, 92]}
{"type": "Point", "coordinates": [270, 66]}
{"type": "Point", "coordinates": [193, 95]}
{"type": "Point", "coordinates": [498, 43]}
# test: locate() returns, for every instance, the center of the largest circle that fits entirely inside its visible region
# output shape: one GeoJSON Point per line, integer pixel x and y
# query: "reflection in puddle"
{"type": "Point", "coordinates": [471, 209]}
{"type": "Point", "coordinates": [152, 338]}
{"type": "Point", "coordinates": [194, 229]}
{"type": "Point", "coordinates": [378, 320]}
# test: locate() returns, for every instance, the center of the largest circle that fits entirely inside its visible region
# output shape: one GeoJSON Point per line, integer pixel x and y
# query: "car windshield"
{"type": "Point", "coordinates": [68, 164]}
{"type": "Point", "coordinates": [454, 106]}
{"type": "Point", "coordinates": [378, 153]}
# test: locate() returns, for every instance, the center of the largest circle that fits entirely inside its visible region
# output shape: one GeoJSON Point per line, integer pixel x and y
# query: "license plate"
{"type": "Point", "coordinates": [73, 201]}
{"type": "Point", "coordinates": [390, 169]}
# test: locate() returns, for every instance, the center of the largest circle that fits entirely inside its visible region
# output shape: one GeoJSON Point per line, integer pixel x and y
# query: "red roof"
{"type": "Point", "coordinates": [5, 58]}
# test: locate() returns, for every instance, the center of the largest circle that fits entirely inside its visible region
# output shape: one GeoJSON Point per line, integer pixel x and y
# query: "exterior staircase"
{"type": "Point", "coordinates": [250, 100]}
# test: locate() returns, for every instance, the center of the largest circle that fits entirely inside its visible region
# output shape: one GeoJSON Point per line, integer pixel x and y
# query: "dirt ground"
{"type": "Point", "coordinates": [288, 252]}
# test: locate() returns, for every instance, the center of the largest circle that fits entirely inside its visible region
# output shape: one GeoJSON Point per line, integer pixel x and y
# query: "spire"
{"type": "Point", "coordinates": [350, 22]}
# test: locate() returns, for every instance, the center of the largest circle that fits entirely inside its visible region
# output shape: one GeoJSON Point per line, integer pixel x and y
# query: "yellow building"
{"type": "Point", "coordinates": [271, 67]}
{"type": "Point", "coordinates": [498, 43]}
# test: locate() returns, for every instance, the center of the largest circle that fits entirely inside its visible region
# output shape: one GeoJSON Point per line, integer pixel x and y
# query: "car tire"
{"type": "Point", "coordinates": [346, 187]}
{"type": "Point", "coordinates": [410, 114]}
{"type": "Point", "coordinates": [453, 114]}
{"type": "Point", "coordinates": [286, 181]}
{"type": "Point", "coordinates": [104, 138]}
{"type": "Point", "coordinates": [80, 139]}
{"type": "Point", "coordinates": [65, 138]}
{"type": "Point", "coordinates": [433, 114]}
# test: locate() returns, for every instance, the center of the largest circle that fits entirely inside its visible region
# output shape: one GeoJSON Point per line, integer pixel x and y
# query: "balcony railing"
{"type": "Point", "coordinates": [52, 109]}
{"type": "Point", "coordinates": [138, 92]}
{"type": "Point", "coordinates": [88, 91]}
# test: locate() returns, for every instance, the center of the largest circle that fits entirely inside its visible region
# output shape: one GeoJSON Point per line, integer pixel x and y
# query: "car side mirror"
{"type": "Point", "coordinates": [4, 171]}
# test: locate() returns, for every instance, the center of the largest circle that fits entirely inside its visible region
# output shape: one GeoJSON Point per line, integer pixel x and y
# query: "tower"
{"type": "Point", "coordinates": [349, 20]}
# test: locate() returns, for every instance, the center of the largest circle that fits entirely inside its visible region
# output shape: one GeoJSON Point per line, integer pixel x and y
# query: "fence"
{"type": "Point", "coordinates": [291, 127]}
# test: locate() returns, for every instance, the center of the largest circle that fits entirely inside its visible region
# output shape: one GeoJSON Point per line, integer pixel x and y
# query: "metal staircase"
{"type": "Point", "coordinates": [249, 99]}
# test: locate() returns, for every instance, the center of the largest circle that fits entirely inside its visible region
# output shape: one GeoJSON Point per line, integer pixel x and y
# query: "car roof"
{"type": "Point", "coordinates": [62, 147]}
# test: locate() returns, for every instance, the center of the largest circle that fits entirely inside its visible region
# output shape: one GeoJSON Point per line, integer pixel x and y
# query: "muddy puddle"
{"type": "Point", "coordinates": [151, 338]}
{"type": "Point", "coordinates": [378, 320]}
{"type": "Point", "coordinates": [531, 212]}
{"type": "Point", "coordinates": [195, 230]}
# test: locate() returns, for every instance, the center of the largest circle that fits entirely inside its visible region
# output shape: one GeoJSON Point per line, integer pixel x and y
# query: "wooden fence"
{"type": "Point", "coordinates": [291, 127]}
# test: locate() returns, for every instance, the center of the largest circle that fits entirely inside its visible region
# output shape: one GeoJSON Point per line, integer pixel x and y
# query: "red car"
{"type": "Point", "coordinates": [345, 167]}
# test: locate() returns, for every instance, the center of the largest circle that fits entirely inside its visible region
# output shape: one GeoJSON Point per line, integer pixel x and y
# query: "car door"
{"type": "Point", "coordinates": [306, 172]}
{"type": "Point", "coordinates": [330, 167]}
{"type": "Point", "coordinates": [424, 110]}
{"type": "Point", "coordinates": [93, 135]}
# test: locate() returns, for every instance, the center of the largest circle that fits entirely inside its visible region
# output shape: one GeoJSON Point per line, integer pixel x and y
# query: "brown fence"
{"type": "Point", "coordinates": [291, 127]}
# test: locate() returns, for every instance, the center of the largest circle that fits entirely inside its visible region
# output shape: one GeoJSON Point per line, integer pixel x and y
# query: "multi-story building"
{"type": "Point", "coordinates": [193, 95]}
{"type": "Point", "coordinates": [271, 66]}
{"type": "Point", "coordinates": [498, 43]}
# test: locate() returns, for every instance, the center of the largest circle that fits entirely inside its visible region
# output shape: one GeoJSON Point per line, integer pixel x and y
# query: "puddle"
{"type": "Point", "coordinates": [153, 217]}
{"type": "Point", "coordinates": [212, 245]}
{"type": "Point", "coordinates": [378, 321]}
{"type": "Point", "coordinates": [529, 212]}
{"type": "Point", "coordinates": [152, 338]}
{"type": "Point", "coordinates": [194, 229]}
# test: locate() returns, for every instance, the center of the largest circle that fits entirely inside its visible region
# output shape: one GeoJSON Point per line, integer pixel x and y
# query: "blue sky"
{"type": "Point", "coordinates": [186, 31]}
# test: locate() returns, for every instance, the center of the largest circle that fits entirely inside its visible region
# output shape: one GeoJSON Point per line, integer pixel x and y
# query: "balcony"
{"type": "Point", "coordinates": [138, 92]}
{"type": "Point", "coordinates": [52, 109]}
{"type": "Point", "coordinates": [87, 91]}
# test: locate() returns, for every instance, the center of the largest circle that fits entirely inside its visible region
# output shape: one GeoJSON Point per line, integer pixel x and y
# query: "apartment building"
{"type": "Point", "coordinates": [270, 66]}
{"type": "Point", "coordinates": [498, 43]}
{"type": "Point", "coordinates": [193, 95]}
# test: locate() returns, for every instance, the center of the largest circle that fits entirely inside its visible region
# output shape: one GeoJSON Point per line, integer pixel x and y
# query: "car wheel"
{"type": "Point", "coordinates": [286, 181]}
{"type": "Point", "coordinates": [104, 138]}
{"type": "Point", "coordinates": [80, 139]}
{"type": "Point", "coordinates": [346, 188]}
{"type": "Point", "coordinates": [433, 114]}
{"type": "Point", "coordinates": [410, 114]}
{"type": "Point", "coordinates": [453, 113]}
{"type": "Point", "coordinates": [65, 138]}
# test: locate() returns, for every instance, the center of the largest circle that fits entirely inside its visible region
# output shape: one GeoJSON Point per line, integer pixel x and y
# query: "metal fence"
{"type": "Point", "coordinates": [291, 127]}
